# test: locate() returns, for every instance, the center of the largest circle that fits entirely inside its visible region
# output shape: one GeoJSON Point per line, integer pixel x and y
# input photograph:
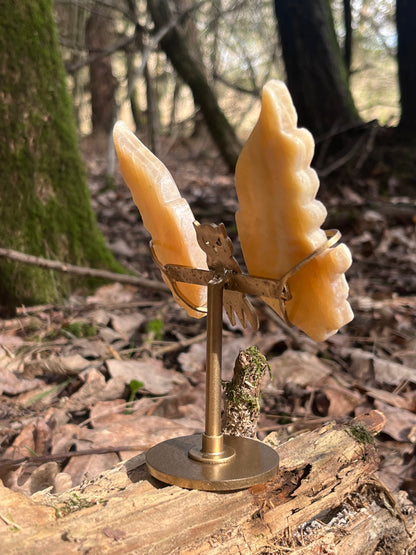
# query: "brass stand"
{"type": "Point", "coordinates": [212, 461]}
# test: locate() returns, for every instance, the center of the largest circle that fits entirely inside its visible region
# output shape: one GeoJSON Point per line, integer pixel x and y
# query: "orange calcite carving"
{"type": "Point", "coordinates": [166, 215]}
{"type": "Point", "coordinates": [279, 218]}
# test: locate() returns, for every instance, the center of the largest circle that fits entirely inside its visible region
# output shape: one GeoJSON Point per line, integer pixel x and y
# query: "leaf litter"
{"type": "Point", "coordinates": [102, 378]}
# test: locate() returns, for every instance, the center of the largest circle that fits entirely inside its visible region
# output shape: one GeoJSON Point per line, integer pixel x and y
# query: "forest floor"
{"type": "Point", "coordinates": [104, 377]}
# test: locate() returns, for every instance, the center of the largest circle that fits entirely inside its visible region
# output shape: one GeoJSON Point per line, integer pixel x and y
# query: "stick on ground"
{"type": "Point", "coordinates": [17, 256]}
{"type": "Point", "coordinates": [242, 394]}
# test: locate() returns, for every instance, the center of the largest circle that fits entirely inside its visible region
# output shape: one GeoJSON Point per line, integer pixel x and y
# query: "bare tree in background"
{"type": "Point", "coordinates": [406, 30]}
{"type": "Point", "coordinates": [99, 34]}
{"type": "Point", "coordinates": [347, 50]}
{"type": "Point", "coordinates": [316, 72]}
{"type": "Point", "coordinates": [178, 51]}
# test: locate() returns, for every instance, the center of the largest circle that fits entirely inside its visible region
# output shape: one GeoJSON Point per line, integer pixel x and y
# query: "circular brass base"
{"type": "Point", "coordinates": [253, 463]}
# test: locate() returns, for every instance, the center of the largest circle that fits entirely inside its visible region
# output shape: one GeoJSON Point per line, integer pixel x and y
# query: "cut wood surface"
{"type": "Point", "coordinates": [325, 499]}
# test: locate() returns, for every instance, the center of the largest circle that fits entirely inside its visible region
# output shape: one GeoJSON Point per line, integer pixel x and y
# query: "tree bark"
{"type": "Point", "coordinates": [316, 73]}
{"type": "Point", "coordinates": [187, 66]}
{"type": "Point", "coordinates": [406, 48]}
{"type": "Point", "coordinates": [45, 206]}
{"type": "Point", "coordinates": [348, 35]}
{"type": "Point", "coordinates": [153, 127]}
{"type": "Point", "coordinates": [102, 83]}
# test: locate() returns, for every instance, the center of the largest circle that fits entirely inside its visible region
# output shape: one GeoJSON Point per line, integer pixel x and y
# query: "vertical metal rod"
{"type": "Point", "coordinates": [212, 439]}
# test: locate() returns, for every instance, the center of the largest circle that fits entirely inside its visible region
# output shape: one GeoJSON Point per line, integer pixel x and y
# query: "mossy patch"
{"type": "Point", "coordinates": [360, 433]}
{"type": "Point", "coordinates": [45, 208]}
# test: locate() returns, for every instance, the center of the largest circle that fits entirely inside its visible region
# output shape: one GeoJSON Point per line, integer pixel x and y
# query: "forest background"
{"type": "Point", "coordinates": [187, 76]}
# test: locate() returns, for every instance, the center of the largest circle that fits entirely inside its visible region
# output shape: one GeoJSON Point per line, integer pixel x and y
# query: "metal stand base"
{"type": "Point", "coordinates": [253, 463]}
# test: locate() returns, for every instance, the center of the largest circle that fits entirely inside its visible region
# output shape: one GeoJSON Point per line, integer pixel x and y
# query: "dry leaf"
{"type": "Point", "coordinates": [99, 317]}
{"type": "Point", "coordinates": [43, 477]}
{"type": "Point", "coordinates": [128, 430]}
{"type": "Point", "coordinates": [65, 438]}
{"type": "Point", "coordinates": [194, 359]}
{"type": "Point", "coordinates": [11, 342]}
{"type": "Point", "coordinates": [112, 293]}
{"type": "Point", "coordinates": [127, 324]}
{"type": "Point", "coordinates": [12, 385]}
{"type": "Point", "coordinates": [63, 365]}
{"type": "Point", "coordinates": [95, 389]}
{"type": "Point", "coordinates": [35, 435]}
{"type": "Point", "coordinates": [89, 466]}
{"type": "Point", "coordinates": [390, 398]}
{"type": "Point", "coordinates": [298, 367]}
{"type": "Point", "coordinates": [342, 400]}
{"type": "Point", "coordinates": [392, 373]}
{"type": "Point", "coordinates": [399, 423]}
{"type": "Point", "coordinates": [88, 347]}
{"type": "Point", "coordinates": [102, 412]}
{"type": "Point", "coordinates": [366, 366]}
{"type": "Point", "coordinates": [121, 248]}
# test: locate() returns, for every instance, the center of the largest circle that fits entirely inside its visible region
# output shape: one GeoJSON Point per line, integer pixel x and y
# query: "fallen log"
{"type": "Point", "coordinates": [325, 499]}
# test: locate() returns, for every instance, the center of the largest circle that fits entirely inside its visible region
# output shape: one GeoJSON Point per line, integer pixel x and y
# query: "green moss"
{"type": "Point", "coordinates": [239, 393]}
{"type": "Point", "coordinates": [72, 329]}
{"type": "Point", "coordinates": [73, 504]}
{"type": "Point", "coordinates": [45, 208]}
{"type": "Point", "coordinates": [80, 329]}
{"type": "Point", "coordinates": [155, 328]}
{"type": "Point", "coordinates": [360, 433]}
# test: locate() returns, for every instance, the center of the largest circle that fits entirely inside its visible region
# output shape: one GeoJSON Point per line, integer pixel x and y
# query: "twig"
{"type": "Point", "coordinates": [242, 394]}
{"type": "Point", "coordinates": [165, 349]}
{"type": "Point", "coordinates": [252, 92]}
{"type": "Point", "coordinates": [369, 146]}
{"type": "Point", "coordinates": [154, 41]}
{"type": "Point", "coordinates": [341, 161]}
{"type": "Point", "coordinates": [72, 68]}
{"type": "Point", "coordinates": [14, 463]}
{"type": "Point", "coordinates": [343, 130]}
{"type": "Point", "coordinates": [81, 270]}
{"type": "Point", "coordinates": [178, 345]}
{"type": "Point", "coordinates": [10, 522]}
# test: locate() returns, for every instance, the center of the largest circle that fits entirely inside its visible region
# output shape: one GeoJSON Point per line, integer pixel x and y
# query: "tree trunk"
{"type": "Point", "coordinates": [406, 31]}
{"type": "Point", "coordinates": [153, 127]}
{"type": "Point", "coordinates": [45, 205]}
{"type": "Point", "coordinates": [348, 35]}
{"type": "Point", "coordinates": [187, 66]}
{"type": "Point", "coordinates": [191, 36]}
{"type": "Point", "coordinates": [102, 82]}
{"type": "Point", "coordinates": [316, 73]}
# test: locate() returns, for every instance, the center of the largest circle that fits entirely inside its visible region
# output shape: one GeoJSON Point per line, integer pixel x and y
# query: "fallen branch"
{"type": "Point", "coordinates": [323, 500]}
{"type": "Point", "coordinates": [11, 464]}
{"type": "Point", "coordinates": [242, 394]}
{"type": "Point", "coordinates": [58, 266]}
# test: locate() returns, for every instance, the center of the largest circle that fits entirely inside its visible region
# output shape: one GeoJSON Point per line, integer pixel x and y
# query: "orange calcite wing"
{"type": "Point", "coordinates": [166, 215]}
{"type": "Point", "coordinates": [279, 218]}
